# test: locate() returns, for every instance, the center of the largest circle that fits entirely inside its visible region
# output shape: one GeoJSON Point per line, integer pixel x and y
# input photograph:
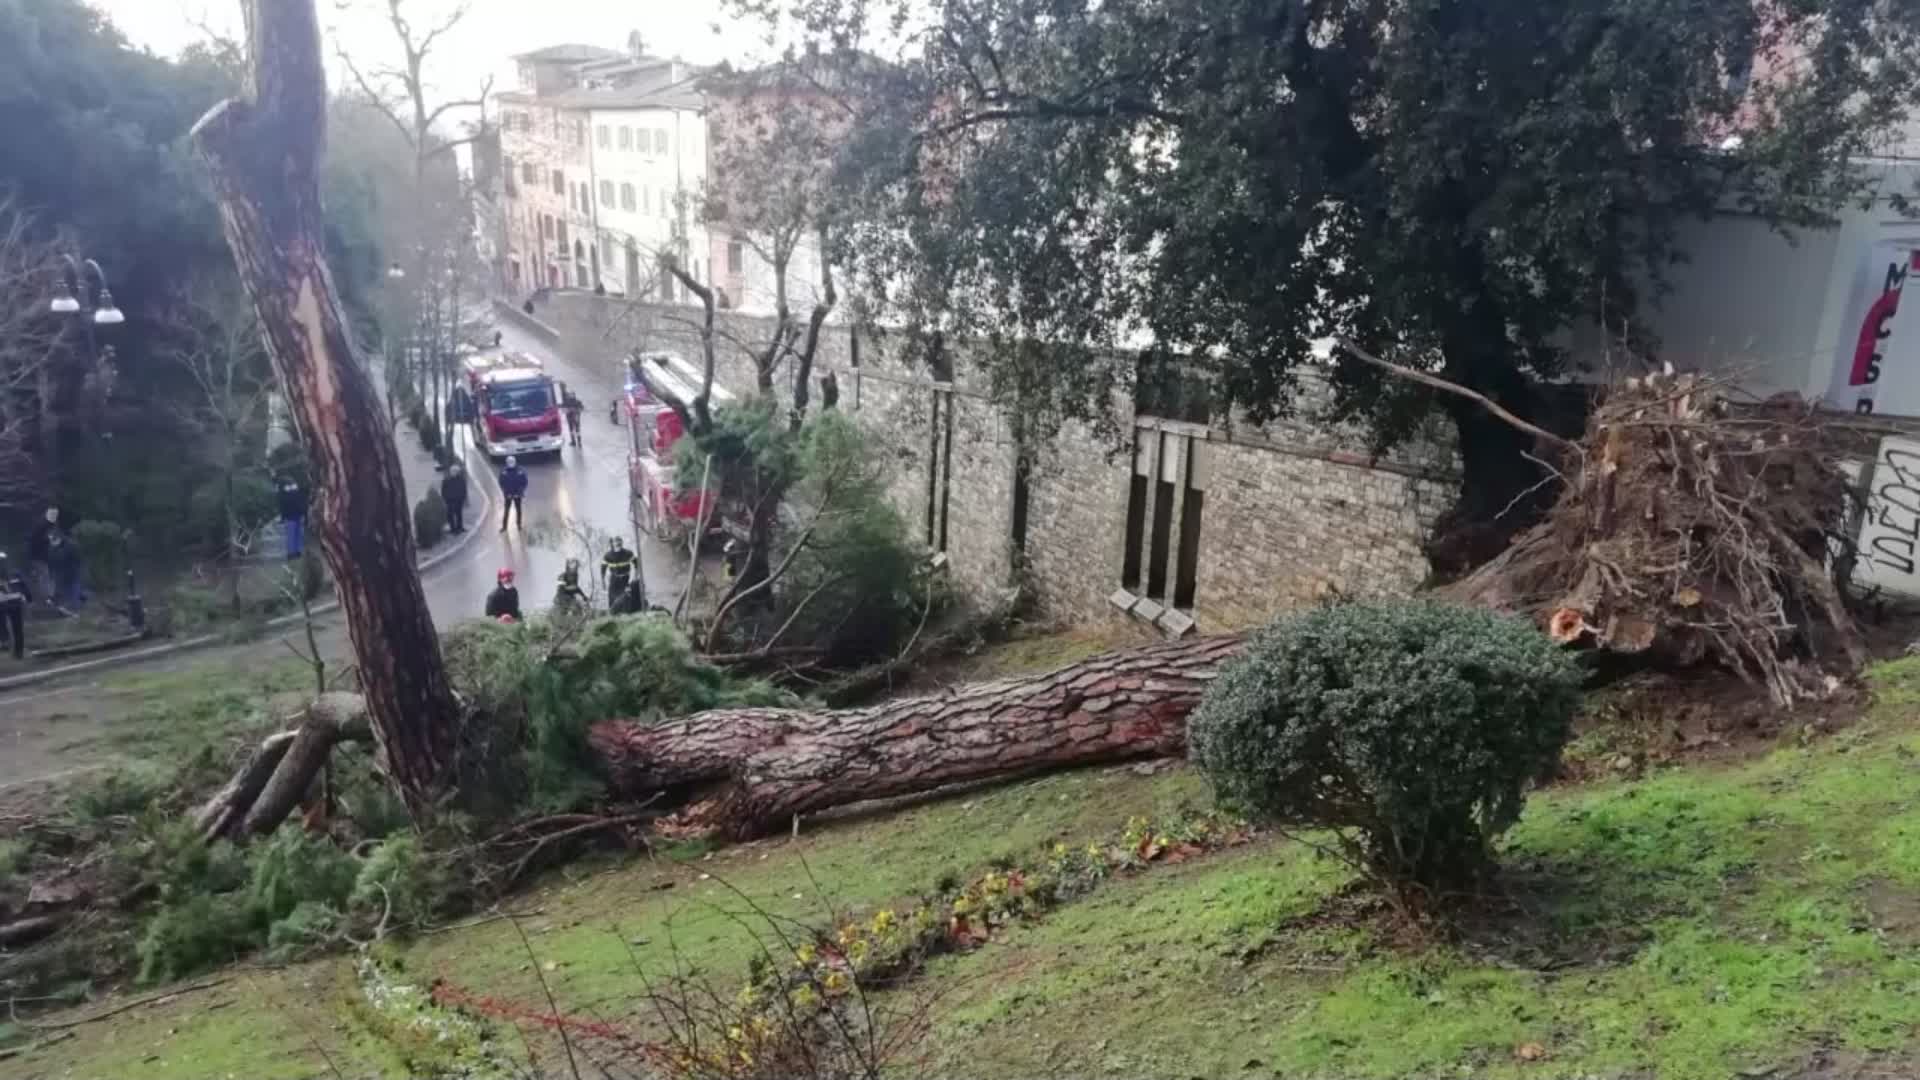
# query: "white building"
{"type": "Point", "coordinates": [1815, 312]}
{"type": "Point", "coordinates": [649, 173]}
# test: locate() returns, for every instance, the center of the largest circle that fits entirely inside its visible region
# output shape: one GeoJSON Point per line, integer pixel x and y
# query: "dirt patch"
{"type": "Point", "coordinates": [1895, 910]}
{"type": "Point", "coordinates": [1701, 716]}
{"type": "Point", "coordinates": [1846, 1065]}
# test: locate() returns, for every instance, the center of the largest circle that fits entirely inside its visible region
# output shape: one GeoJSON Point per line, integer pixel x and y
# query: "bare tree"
{"type": "Point", "coordinates": [28, 341]}
{"type": "Point", "coordinates": [442, 240]}
{"type": "Point", "coordinates": [222, 354]}
{"type": "Point", "coordinates": [777, 138]}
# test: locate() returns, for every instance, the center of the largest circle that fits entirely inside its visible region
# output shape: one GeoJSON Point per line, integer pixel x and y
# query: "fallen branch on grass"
{"type": "Point", "coordinates": [282, 769]}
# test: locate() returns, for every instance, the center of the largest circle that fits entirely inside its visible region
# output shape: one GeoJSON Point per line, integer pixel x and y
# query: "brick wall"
{"type": "Point", "coordinates": [1294, 509]}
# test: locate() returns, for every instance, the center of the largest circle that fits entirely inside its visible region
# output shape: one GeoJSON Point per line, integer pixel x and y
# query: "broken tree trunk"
{"type": "Point", "coordinates": [282, 770]}
{"type": "Point", "coordinates": [750, 770]}
{"type": "Point", "coordinates": [264, 158]}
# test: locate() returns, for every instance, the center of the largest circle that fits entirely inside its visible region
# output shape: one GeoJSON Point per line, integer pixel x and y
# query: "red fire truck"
{"type": "Point", "coordinates": [515, 407]}
{"type": "Point", "coordinates": [669, 503]}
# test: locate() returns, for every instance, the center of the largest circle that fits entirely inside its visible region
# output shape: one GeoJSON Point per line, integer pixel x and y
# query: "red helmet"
{"type": "Point", "coordinates": [504, 577]}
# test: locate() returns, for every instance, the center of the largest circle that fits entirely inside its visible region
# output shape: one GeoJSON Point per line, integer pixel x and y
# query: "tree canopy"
{"type": "Point", "coordinates": [1454, 183]}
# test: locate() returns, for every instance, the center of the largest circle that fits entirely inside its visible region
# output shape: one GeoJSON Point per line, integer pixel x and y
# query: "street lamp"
{"type": "Point", "coordinates": [394, 272]}
{"type": "Point", "coordinates": [72, 288]}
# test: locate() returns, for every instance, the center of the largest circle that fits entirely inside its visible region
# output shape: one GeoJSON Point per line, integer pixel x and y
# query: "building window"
{"type": "Point", "coordinates": [606, 193]}
{"type": "Point", "coordinates": [626, 196]}
{"type": "Point", "coordinates": [560, 233]}
{"type": "Point", "coordinates": [559, 182]}
{"type": "Point", "coordinates": [602, 137]}
{"type": "Point", "coordinates": [736, 257]}
{"type": "Point", "coordinates": [659, 140]}
{"type": "Point", "coordinates": [663, 202]}
{"type": "Point", "coordinates": [1166, 499]}
{"type": "Point", "coordinates": [528, 174]}
{"type": "Point", "coordinates": [626, 138]}
{"type": "Point", "coordinates": [546, 225]}
{"type": "Point", "coordinates": [646, 199]}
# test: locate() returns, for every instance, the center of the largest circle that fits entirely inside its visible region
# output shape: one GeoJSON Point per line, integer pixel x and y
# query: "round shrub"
{"type": "Point", "coordinates": [429, 519]}
{"type": "Point", "coordinates": [1411, 728]}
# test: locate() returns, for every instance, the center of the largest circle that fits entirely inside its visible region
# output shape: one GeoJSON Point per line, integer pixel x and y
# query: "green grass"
{"type": "Point", "coordinates": [1689, 925]}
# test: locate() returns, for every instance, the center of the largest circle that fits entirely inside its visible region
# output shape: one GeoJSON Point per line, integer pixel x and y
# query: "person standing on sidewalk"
{"type": "Point", "coordinates": [453, 492]}
{"type": "Point", "coordinates": [39, 550]}
{"type": "Point", "coordinates": [513, 488]}
{"type": "Point", "coordinates": [571, 404]}
{"type": "Point", "coordinates": [63, 558]}
{"type": "Point", "coordinates": [293, 515]}
{"type": "Point", "coordinates": [13, 609]}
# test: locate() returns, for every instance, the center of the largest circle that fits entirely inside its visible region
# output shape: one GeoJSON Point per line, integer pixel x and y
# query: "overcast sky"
{"type": "Point", "coordinates": [493, 30]}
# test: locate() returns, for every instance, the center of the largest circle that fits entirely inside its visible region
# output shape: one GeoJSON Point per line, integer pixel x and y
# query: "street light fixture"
{"type": "Point", "coordinates": [395, 273]}
{"type": "Point", "coordinates": [71, 291]}
{"type": "Point", "coordinates": [107, 314]}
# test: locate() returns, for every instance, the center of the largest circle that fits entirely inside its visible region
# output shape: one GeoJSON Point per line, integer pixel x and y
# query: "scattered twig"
{"type": "Point", "coordinates": [553, 1005]}
{"type": "Point", "coordinates": [37, 1046]}
{"type": "Point", "coordinates": [127, 1006]}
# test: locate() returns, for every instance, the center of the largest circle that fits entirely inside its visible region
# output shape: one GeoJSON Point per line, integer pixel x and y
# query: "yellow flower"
{"type": "Point", "coordinates": [962, 905]}
{"type": "Point", "coordinates": [848, 934]}
{"type": "Point", "coordinates": [835, 982]}
{"type": "Point", "coordinates": [883, 920]}
{"type": "Point", "coordinates": [803, 956]}
{"type": "Point", "coordinates": [736, 1033]}
{"type": "Point", "coordinates": [1060, 851]}
{"type": "Point", "coordinates": [857, 951]}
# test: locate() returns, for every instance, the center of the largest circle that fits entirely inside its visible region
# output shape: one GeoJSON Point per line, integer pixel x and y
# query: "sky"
{"type": "Point", "coordinates": [491, 32]}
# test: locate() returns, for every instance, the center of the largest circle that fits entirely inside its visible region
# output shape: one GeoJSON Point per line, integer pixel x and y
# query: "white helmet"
{"type": "Point", "coordinates": [512, 461]}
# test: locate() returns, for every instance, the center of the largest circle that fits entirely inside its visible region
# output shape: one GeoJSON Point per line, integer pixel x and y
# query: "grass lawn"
{"type": "Point", "coordinates": [1747, 918]}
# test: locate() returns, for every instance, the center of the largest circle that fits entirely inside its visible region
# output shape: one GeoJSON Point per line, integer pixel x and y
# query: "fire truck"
{"type": "Point", "coordinates": [515, 407]}
{"type": "Point", "coordinates": [668, 503]}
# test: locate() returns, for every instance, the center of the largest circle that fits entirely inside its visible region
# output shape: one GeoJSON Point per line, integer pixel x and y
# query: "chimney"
{"type": "Point", "coordinates": [636, 45]}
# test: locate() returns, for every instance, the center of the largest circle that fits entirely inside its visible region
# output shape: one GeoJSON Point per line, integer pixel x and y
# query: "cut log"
{"type": "Point", "coordinates": [264, 155]}
{"type": "Point", "coordinates": [750, 770]}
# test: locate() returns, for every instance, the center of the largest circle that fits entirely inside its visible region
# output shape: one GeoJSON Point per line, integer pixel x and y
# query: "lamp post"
{"type": "Point", "coordinates": [82, 294]}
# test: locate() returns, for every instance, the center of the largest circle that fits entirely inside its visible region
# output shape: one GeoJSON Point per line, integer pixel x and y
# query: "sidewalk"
{"type": "Point", "coordinates": [418, 475]}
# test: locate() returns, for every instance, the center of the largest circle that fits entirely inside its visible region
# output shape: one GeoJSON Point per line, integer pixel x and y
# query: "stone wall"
{"type": "Point", "coordinates": [1293, 510]}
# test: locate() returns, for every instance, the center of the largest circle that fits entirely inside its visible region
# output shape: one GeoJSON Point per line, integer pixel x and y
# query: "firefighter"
{"type": "Point", "coordinates": [568, 597]}
{"type": "Point", "coordinates": [513, 489]}
{"type": "Point", "coordinates": [616, 568]}
{"type": "Point", "coordinates": [504, 601]}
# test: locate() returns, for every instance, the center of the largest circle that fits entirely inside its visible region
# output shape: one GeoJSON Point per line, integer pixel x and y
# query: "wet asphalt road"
{"type": "Point", "coordinates": [582, 492]}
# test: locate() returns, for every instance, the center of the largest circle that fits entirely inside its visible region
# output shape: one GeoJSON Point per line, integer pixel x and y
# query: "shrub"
{"type": "Point", "coordinates": [429, 431]}
{"type": "Point", "coordinates": [104, 548]}
{"type": "Point", "coordinates": [429, 519]}
{"type": "Point", "coordinates": [192, 934]}
{"type": "Point", "coordinates": [1411, 728]}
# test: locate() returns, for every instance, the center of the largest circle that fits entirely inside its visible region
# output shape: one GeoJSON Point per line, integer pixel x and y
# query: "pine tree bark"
{"type": "Point", "coordinates": [264, 156]}
{"type": "Point", "coordinates": [750, 770]}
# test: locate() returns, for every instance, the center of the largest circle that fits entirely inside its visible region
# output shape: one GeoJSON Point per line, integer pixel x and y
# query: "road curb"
{"type": "Point", "coordinates": [171, 648]}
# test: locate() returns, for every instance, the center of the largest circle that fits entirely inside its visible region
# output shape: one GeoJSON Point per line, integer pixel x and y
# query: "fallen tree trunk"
{"type": "Point", "coordinates": [280, 772]}
{"type": "Point", "coordinates": [744, 771]}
